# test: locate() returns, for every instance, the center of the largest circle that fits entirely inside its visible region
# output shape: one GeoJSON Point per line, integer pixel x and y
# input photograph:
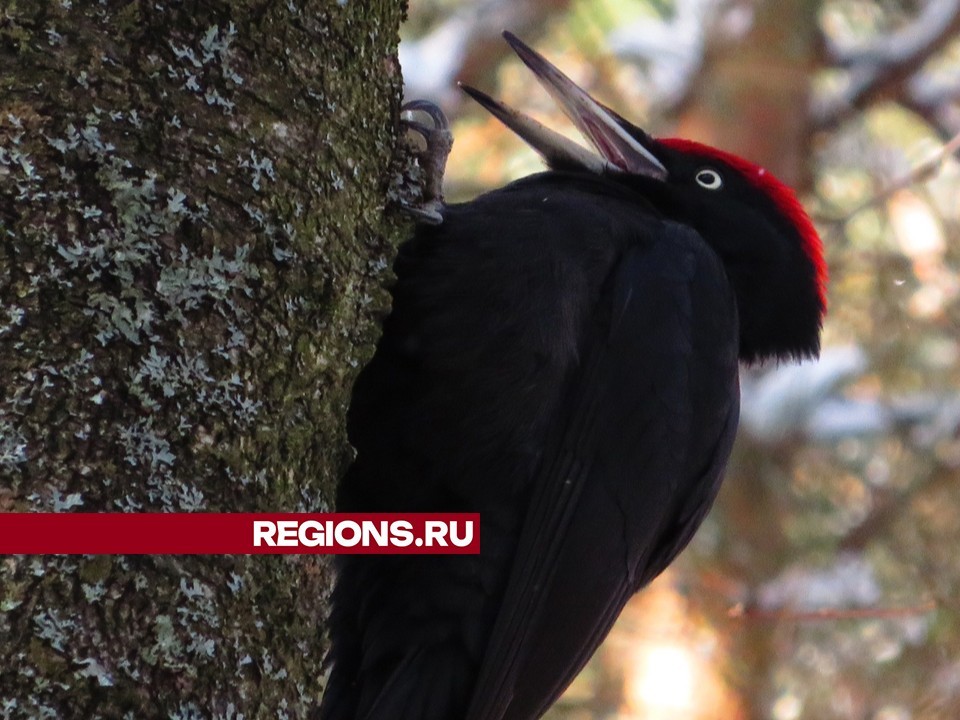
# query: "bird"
{"type": "Point", "coordinates": [561, 357]}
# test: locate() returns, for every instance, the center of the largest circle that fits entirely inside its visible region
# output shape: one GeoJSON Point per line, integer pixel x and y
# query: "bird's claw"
{"type": "Point", "coordinates": [440, 121]}
{"type": "Point", "coordinates": [432, 159]}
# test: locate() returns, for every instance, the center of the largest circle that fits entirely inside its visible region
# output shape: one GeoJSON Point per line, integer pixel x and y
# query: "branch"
{"type": "Point", "coordinates": [806, 402]}
{"type": "Point", "coordinates": [919, 174]}
{"type": "Point", "coordinates": [846, 589]}
{"type": "Point", "coordinates": [881, 68]}
{"type": "Point", "coordinates": [935, 102]}
{"type": "Point", "coordinates": [739, 612]}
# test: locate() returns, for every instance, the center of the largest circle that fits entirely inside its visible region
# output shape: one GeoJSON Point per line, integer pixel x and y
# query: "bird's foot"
{"type": "Point", "coordinates": [432, 160]}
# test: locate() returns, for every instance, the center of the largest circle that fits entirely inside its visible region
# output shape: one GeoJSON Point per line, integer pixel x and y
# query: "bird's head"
{"type": "Point", "coordinates": [768, 245]}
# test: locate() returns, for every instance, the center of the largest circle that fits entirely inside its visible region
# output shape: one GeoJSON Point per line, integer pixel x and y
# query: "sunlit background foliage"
{"type": "Point", "coordinates": [826, 582]}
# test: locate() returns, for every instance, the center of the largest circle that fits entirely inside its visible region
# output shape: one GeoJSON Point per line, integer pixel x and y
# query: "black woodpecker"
{"type": "Point", "coordinates": [562, 358]}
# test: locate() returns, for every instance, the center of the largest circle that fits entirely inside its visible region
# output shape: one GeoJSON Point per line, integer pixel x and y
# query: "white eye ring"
{"type": "Point", "coordinates": [709, 179]}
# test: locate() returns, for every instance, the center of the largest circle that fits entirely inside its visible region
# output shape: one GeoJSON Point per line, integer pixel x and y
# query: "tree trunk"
{"type": "Point", "coordinates": [752, 96]}
{"type": "Point", "coordinates": [753, 99]}
{"type": "Point", "coordinates": [191, 240]}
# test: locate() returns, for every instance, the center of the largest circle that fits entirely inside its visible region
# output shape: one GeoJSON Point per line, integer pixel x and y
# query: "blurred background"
{"type": "Point", "coordinates": [826, 582]}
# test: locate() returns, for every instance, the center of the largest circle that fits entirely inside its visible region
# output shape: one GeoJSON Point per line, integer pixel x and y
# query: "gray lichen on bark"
{"type": "Point", "coordinates": [193, 239]}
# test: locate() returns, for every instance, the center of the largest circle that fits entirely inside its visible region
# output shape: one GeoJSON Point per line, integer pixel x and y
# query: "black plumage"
{"type": "Point", "coordinates": [561, 357]}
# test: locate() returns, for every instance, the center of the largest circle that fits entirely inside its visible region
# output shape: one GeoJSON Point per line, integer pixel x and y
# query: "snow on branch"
{"type": "Point", "coordinates": [883, 67]}
{"type": "Point", "coordinates": [807, 402]}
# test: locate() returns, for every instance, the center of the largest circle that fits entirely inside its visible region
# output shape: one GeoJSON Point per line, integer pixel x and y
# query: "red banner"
{"type": "Point", "coordinates": [239, 533]}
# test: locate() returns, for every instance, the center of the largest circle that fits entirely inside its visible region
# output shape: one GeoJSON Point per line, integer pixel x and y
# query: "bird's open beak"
{"type": "Point", "coordinates": [618, 150]}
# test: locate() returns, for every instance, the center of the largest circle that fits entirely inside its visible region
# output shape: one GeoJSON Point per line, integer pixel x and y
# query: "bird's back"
{"type": "Point", "coordinates": [534, 324]}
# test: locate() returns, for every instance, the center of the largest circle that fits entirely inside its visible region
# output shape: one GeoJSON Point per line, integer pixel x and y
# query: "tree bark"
{"type": "Point", "coordinates": [752, 97]}
{"type": "Point", "coordinates": [192, 238]}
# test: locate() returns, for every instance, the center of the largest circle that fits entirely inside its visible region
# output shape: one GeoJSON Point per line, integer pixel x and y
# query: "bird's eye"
{"type": "Point", "coordinates": [709, 179]}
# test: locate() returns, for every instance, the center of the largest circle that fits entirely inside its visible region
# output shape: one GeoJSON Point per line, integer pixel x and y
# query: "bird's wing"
{"type": "Point", "coordinates": [629, 474]}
